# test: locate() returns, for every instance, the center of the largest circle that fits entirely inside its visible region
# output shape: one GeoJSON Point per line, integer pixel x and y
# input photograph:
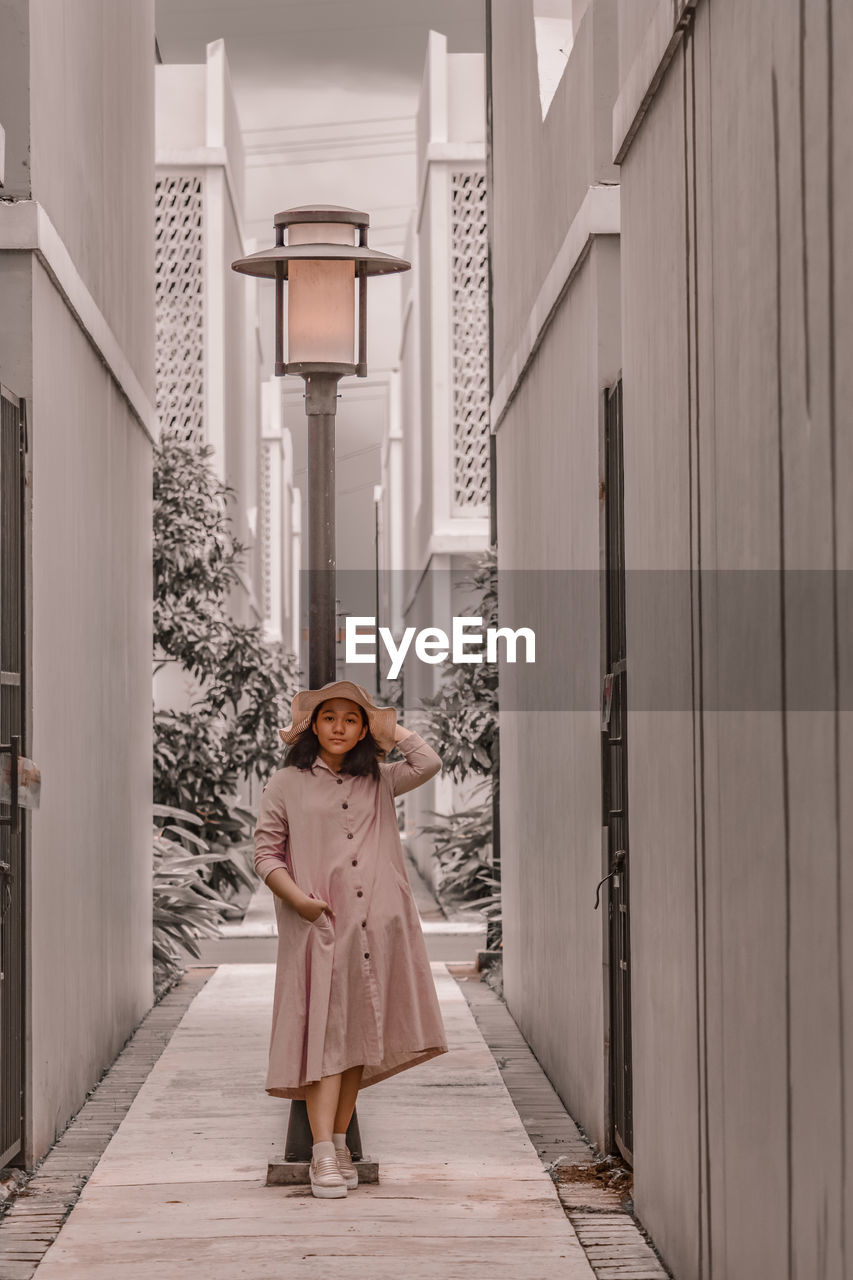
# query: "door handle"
{"type": "Point", "coordinates": [618, 858]}
{"type": "Point", "coordinates": [6, 877]}
{"type": "Point", "coordinates": [13, 746]}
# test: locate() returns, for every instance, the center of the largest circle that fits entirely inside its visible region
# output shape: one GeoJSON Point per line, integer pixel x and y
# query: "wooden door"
{"type": "Point", "coordinates": [12, 708]}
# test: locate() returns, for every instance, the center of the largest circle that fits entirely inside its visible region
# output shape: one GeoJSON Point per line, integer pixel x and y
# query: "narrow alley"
{"type": "Point", "coordinates": [181, 1189]}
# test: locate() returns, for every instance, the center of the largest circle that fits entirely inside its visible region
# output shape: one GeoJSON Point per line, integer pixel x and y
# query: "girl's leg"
{"type": "Point", "coordinates": [350, 1081]}
{"type": "Point", "coordinates": [321, 1100]}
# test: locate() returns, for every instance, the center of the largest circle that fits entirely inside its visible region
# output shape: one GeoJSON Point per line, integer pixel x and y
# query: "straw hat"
{"type": "Point", "coordinates": [381, 720]}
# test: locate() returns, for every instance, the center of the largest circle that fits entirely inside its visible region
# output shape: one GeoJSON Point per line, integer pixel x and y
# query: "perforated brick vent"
{"type": "Point", "coordinates": [470, 328]}
{"type": "Point", "coordinates": [179, 294]}
{"type": "Point", "coordinates": [266, 529]}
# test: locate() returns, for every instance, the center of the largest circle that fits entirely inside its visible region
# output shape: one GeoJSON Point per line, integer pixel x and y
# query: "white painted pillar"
{"type": "Point", "coordinates": [296, 563]}
{"type": "Point", "coordinates": [214, 256]}
{"type": "Point", "coordinates": [396, 503]}
{"type": "Point", "coordinates": [271, 524]}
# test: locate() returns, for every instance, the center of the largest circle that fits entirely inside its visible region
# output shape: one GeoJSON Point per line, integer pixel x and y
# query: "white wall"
{"type": "Point", "coordinates": [730, 294]}
{"type": "Point", "coordinates": [547, 417]}
{"type": "Point", "coordinates": [736, 303]}
{"type": "Point", "coordinates": [80, 137]}
{"type": "Point", "coordinates": [90, 871]}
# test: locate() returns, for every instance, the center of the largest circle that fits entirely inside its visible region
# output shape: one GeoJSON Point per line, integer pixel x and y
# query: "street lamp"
{"type": "Point", "coordinates": [322, 253]}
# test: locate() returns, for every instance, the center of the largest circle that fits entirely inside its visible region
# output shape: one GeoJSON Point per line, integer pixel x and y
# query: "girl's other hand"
{"type": "Point", "coordinates": [311, 908]}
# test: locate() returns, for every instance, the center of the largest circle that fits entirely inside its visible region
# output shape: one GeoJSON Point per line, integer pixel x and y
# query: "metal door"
{"type": "Point", "coordinates": [12, 704]}
{"type": "Point", "coordinates": [615, 778]}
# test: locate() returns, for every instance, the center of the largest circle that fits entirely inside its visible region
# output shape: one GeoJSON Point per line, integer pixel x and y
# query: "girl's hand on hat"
{"type": "Point", "coordinates": [400, 732]}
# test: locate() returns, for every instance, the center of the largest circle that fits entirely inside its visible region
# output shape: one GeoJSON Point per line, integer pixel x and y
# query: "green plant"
{"type": "Point", "coordinates": [462, 849]}
{"type": "Point", "coordinates": [203, 754]}
{"type": "Point", "coordinates": [461, 721]}
{"type": "Point", "coordinates": [185, 906]}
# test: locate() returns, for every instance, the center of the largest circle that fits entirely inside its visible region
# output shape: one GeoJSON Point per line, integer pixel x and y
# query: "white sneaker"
{"type": "Point", "coordinates": [349, 1173]}
{"type": "Point", "coordinates": [327, 1182]}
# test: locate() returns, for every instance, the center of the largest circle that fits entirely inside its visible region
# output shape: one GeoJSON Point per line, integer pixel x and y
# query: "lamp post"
{"type": "Point", "coordinates": [326, 262]}
{"type": "Point", "coordinates": [377, 502]}
{"type": "Point", "coordinates": [323, 255]}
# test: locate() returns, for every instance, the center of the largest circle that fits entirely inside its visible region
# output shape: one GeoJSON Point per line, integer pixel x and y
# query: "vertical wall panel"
{"type": "Point", "coordinates": [657, 351]}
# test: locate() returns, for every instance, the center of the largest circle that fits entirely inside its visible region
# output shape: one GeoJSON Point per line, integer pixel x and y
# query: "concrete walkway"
{"type": "Point", "coordinates": [180, 1191]}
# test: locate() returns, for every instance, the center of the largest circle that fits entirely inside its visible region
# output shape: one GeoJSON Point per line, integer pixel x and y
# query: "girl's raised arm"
{"type": "Point", "coordinates": [421, 763]}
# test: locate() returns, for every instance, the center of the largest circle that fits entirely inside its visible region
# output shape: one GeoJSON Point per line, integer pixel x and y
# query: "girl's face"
{"type": "Point", "coordinates": [339, 727]}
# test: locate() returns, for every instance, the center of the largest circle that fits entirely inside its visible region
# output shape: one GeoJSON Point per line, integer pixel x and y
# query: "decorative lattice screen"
{"type": "Point", "coordinates": [266, 529]}
{"type": "Point", "coordinates": [179, 289]}
{"type": "Point", "coordinates": [470, 330]}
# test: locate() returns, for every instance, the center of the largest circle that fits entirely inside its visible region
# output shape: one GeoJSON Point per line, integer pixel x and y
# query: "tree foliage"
{"type": "Point", "coordinates": [461, 719]}
{"type": "Point", "coordinates": [203, 754]}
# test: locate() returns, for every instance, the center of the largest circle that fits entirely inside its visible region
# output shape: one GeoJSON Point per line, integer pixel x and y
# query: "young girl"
{"type": "Point", "coordinates": [354, 997]}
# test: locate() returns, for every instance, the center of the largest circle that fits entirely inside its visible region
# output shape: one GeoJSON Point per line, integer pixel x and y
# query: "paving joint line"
{"type": "Point", "coordinates": [615, 1242]}
{"type": "Point", "coordinates": [32, 1216]}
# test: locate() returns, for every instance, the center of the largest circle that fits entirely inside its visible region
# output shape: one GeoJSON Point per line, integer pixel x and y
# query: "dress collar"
{"type": "Point", "coordinates": [322, 763]}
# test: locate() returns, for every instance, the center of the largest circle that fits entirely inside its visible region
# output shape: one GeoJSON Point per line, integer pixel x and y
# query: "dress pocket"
{"type": "Point", "coordinates": [322, 922]}
{"type": "Point", "coordinates": [402, 882]}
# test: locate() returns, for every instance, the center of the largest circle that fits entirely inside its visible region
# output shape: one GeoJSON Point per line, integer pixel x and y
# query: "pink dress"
{"type": "Point", "coordinates": [356, 990]}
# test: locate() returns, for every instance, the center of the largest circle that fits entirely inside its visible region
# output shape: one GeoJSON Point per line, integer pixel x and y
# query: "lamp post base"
{"type": "Point", "coordinates": [294, 1173]}
{"type": "Point", "coordinates": [299, 1141]}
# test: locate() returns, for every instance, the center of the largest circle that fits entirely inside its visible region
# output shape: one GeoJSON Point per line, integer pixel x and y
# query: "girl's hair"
{"type": "Point", "coordinates": [362, 760]}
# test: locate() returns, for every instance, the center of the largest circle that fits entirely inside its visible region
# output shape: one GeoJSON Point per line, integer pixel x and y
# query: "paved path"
{"type": "Point", "coordinates": [180, 1191]}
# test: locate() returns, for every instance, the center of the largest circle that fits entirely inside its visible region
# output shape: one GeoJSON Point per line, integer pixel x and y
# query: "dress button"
{"type": "Point", "coordinates": [339, 781]}
{"type": "Point", "coordinates": [349, 835]}
{"type": "Point", "coordinates": [355, 862]}
{"type": "Point", "coordinates": [345, 805]}
{"type": "Point", "coordinates": [364, 924]}
{"type": "Point", "coordinates": [359, 893]}
{"type": "Point", "coordinates": [367, 955]}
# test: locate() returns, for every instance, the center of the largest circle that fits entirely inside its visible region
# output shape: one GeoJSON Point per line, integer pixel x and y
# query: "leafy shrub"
{"type": "Point", "coordinates": [185, 906]}
{"type": "Point", "coordinates": [462, 717]}
{"type": "Point", "coordinates": [461, 720]}
{"type": "Point", "coordinates": [203, 755]}
{"type": "Point", "coordinates": [462, 847]}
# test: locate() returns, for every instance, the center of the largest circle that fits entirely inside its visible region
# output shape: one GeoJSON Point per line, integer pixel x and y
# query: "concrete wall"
{"type": "Point", "coordinates": [15, 78]}
{"type": "Point", "coordinates": [552, 360]}
{"type": "Point", "coordinates": [90, 872]}
{"type": "Point", "coordinates": [735, 284]}
{"type": "Point", "coordinates": [661, 747]}
{"type": "Point", "coordinates": [539, 185]}
{"type": "Point", "coordinates": [550, 760]}
{"type": "Point", "coordinates": [734, 277]}
{"type": "Point", "coordinates": [77, 341]}
{"type": "Point", "coordinates": [91, 91]}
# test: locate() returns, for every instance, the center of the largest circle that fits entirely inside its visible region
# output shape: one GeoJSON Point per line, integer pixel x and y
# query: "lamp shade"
{"type": "Point", "coordinates": [321, 298]}
{"type": "Point", "coordinates": [325, 265]}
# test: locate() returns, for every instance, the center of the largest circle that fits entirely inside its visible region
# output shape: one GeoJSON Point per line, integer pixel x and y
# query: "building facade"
{"type": "Point", "coordinates": [674, 413]}
{"type": "Point", "coordinates": [208, 356]}
{"type": "Point", "coordinates": [208, 349]}
{"type": "Point", "coordinates": [77, 361]}
{"type": "Point", "coordinates": [444, 380]}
